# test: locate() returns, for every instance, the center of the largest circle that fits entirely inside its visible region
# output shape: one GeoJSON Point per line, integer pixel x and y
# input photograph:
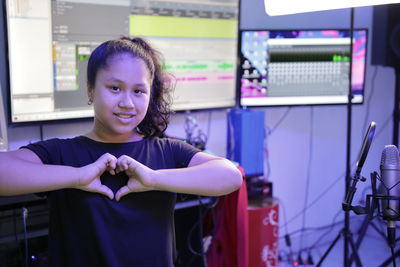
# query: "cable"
{"type": "Point", "coordinates": [216, 221]}
{"type": "Point", "coordinates": [189, 126]}
{"type": "Point", "coordinates": [200, 140]}
{"type": "Point", "coordinates": [204, 259]}
{"type": "Point", "coordinates": [368, 104]}
{"type": "Point", "coordinates": [231, 139]}
{"type": "Point", "coordinates": [198, 223]}
{"type": "Point", "coordinates": [24, 218]}
{"type": "Point", "coordinates": [41, 132]}
{"type": "Point", "coordinates": [272, 129]}
{"type": "Point", "coordinates": [268, 163]}
{"type": "Point", "coordinates": [282, 205]}
{"type": "Point", "coordinates": [313, 229]}
{"type": "Point", "coordinates": [308, 173]}
{"type": "Point", "coordinates": [330, 227]}
{"type": "Point", "coordinates": [388, 119]}
{"type": "Point", "coordinates": [330, 186]}
{"type": "Point", "coordinates": [287, 236]}
{"type": "Point", "coordinates": [20, 253]}
{"type": "Point", "coordinates": [328, 231]}
{"type": "Point", "coordinates": [279, 121]}
{"type": "Point", "coordinates": [322, 194]}
{"type": "Point", "coordinates": [211, 204]}
{"type": "Point", "coordinates": [209, 123]}
{"type": "Point", "coordinates": [268, 132]}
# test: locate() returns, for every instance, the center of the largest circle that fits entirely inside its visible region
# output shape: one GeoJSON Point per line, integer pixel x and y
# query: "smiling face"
{"type": "Point", "coordinates": [121, 96]}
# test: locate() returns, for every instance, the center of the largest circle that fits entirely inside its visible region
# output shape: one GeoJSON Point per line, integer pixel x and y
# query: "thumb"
{"type": "Point", "coordinates": [121, 192]}
{"type": "Point", "coordinates": [106, 191]}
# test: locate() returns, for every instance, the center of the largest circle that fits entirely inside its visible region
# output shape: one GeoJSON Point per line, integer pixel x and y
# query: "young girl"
{"type": "Point", "coordinates": [111, 190]}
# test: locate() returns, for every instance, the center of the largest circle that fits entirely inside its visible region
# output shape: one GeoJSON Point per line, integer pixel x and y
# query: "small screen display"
{"type": "Point", "coordinates": [300, 67]}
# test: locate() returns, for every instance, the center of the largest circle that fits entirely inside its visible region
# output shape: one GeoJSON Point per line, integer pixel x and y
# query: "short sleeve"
{"type": "Point", "coordinates": [48, 151]}
{"type": "Point", "coordinates": [182, 152]}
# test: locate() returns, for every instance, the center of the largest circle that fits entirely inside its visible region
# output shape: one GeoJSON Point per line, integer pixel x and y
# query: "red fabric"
{"type": "Point", "coordinates": [231, 241]}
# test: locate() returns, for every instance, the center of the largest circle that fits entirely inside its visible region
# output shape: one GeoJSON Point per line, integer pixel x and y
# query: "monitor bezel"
{"type": "Point", "coordinates": [7, 89]}
{"type": "Point", "coordinates": [239, 60]}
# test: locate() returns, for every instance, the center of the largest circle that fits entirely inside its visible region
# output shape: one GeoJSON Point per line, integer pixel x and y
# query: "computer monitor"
{"type": "Point", "coordinates": [3, 125]}
{"type": "Point", "coordinates": [49, 43]}
{"type": "Point", "coordinates": [300, 67]}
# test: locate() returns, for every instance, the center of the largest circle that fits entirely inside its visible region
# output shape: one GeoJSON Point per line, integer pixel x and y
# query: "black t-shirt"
{"type": "Point", "coordinates": [88, 229]}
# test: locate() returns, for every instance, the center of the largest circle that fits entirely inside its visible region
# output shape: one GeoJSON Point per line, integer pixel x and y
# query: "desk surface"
{"type": "Point", "coordinates": [14, 202]}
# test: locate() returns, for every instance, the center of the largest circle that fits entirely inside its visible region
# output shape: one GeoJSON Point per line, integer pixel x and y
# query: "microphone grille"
{"type": "Point", "coordinates": [390, 155]}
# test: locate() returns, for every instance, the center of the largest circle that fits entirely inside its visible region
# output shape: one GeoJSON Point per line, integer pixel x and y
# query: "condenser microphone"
{"type": "Point", "coordinates": [390, 177]}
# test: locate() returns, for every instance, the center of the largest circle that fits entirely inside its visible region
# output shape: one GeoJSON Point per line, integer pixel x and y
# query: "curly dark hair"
{"type": "Point", "coordinates": [156, 119]}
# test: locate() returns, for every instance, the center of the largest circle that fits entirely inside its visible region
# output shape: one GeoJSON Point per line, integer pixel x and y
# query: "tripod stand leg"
{"type": "Point", "coordinates": [355, 253]}
{"type": "Point", "coordinates": [329, 249]}
{"type": "Point", "coordinates": [361, 234]}
{"type": "Point", "coordinates": [390, 259]}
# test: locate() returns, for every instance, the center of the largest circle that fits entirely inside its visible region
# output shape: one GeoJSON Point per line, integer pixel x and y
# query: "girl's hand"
{"type": "Point", "coordinates": [141, 178]}
{"type": "Point", "coordinates": [89, 179]}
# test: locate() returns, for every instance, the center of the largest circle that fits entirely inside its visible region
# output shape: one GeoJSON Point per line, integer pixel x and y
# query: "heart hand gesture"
{"type": "Point", "coordinates": [141, 178]}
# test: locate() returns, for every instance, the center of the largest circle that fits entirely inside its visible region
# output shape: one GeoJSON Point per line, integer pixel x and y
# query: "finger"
{"type": "Point", "coordinates": [132, 165]}
{"type": "Point", "coordinates": [122, 163]}
{"type": "Point", "coordinates": [125, 164]}
{"type": "Point", "coordinates": [119, 160]}
{"type": "Point", "coordinates": [104, 161]}
{"type": "Point", "coordinates": [106, 191]}
{"type": "Point", "coordinates": [111, 165]}
{"type": "Point", "coordinates": [121, 192]}
{"type": "Point", "coordinates": [119, 167]}
{"type": "Point", "coordinates": [107, 162]}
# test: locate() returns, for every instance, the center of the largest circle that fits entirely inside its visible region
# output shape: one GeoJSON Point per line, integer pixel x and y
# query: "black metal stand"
{"type": "Point", "coordinates": [390, 259]}
{"type": "Point", "coordinates": [363, 230]}
{"type": "Point", "coordinates": [373, 202]}
{"type": "Point", "coordinates": [396, 111]}
{"type": "Point", "coordinates": [347, 236]}
{"type": "Point", "coordinates": [345, 232]}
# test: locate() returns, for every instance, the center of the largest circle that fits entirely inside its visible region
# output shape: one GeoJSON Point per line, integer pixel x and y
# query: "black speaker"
{"type": "Point", "coordinates": [386, 35]}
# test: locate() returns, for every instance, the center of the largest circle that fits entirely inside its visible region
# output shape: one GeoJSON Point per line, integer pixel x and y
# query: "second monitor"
{"type": "Point", "coordinates": [300, 67]}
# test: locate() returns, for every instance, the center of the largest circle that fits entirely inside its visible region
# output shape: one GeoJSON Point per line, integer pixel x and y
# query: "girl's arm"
{"type": "Point", "coordinates": [206, 175]}
{"type": "Point", "coordinates": [22, 172]}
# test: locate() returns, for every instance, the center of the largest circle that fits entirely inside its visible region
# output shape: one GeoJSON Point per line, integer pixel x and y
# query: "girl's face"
{"type": "Point", "coordinates": [120, 98]}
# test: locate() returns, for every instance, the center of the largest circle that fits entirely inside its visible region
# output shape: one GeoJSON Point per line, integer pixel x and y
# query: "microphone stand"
{"type": "Point", "coordinates": [373, 202]}
{"type": "Point", "coordinates": [348, 237]}
{"type": "Point", "coordinates": [347, 207]}
{"type": "Point", "coordinates": [396, 110]}
{"type": "Point", "coordinates": [348, 189]}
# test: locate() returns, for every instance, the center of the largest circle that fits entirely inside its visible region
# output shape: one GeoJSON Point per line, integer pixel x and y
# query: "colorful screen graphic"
{"type": "Point", "coordinates": [300, 67]}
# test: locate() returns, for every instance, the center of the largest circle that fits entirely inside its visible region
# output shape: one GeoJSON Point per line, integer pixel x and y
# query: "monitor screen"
{"type": "Point", "coordinates": [300, 67]}
{"type": "Point", "coordinates": [49, 43]}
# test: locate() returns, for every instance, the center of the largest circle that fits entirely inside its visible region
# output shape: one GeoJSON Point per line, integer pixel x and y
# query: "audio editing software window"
{"type": "Point", "coordinates": [300, 67]}
{"type": "Point", "coordinates": [49, 44]}
{"type": "Point", "coordinates": [199, 42]}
